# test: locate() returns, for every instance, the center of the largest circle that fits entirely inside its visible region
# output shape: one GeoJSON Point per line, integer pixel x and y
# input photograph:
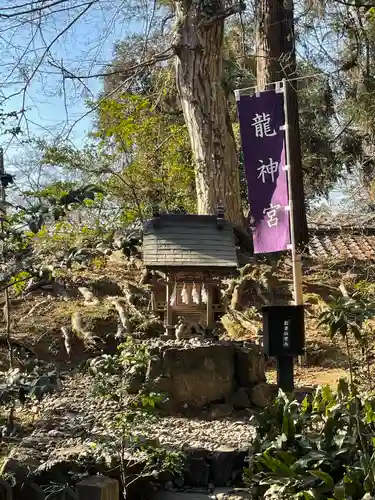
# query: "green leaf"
{"type": "Point", "coordinates": [288, 427]}
{"type": "Point", "coordinates": [276, 465]}
{"type": "Point", "coordinates": [326, 478]}
{"type": "Point", "coordinates": [313, 458]}
{"type": "Point", "coordinates": [288, 457]}
{"type": "Point", "coordinates": [305, 405]}
{"type": "Point", "coordinates": [339, 492]}
{"type": "Point", "coordinates": [309, 495]}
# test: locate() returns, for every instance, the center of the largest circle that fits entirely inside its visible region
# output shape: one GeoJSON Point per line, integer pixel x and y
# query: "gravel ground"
{"type": "Point", "coordinates": [74, 411]}
{"type": "Point", "coordinates": [210, 435]}
{"type": "Point", "coordinates": [67, 422]}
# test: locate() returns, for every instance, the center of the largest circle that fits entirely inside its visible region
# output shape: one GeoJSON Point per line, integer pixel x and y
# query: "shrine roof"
{"type": "Point", "coordinates": [188, 241]}
{"type": "Point", "coordinates": [342, 243]}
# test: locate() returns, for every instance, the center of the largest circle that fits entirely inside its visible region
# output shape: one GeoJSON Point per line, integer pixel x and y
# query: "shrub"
{"type": "Point", "coordinates": [113, 377]}
{"type": "Point", "coordinates": [322, 448]}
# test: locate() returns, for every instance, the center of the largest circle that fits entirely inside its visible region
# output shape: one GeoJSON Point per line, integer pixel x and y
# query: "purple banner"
{"type": "Point", "coordinates": [263, 146]}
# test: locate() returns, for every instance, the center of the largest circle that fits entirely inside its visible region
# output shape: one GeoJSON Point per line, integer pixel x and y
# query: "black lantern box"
{"type": "Point", "coordinates": [283, 330]}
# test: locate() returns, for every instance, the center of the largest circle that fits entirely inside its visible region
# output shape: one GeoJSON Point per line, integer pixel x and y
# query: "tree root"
{"type": "Point", "coordinates": [125, 326]}
{"type": "Point", "coordinates": [77, 326]}
{"type": "Point", "coordinates": [89, 297]}
{"type": "Point", "coordinates": [34, 308]}
{"type": "Point", "coordinates": [68, 341]}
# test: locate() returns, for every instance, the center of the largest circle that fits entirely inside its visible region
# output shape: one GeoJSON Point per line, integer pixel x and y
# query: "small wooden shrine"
{"type": "Point", "coordinates": [188, 256]}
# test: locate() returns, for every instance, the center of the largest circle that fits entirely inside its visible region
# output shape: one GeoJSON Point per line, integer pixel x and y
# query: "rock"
{"type": "Point", "coordinates": [77, 411]}
{"type": "Point", "coordinates": [224, 461]}
{"type": "Point", "coordinates": [234, 494]}
{"type": "Point", "coordinates": [104, 287]}
{"type": "Point", "coordinates": [88, 253]}
{"type": "Point", "coordinates": [150, 328]}
{"type": "Point", "coordinates": [118, 257]}
{"type": "Point", "coordinates": [154, 368]}
{"type": "Point", "coordinates": [101, 321]}
{"type": "Point", "coordinates": [98, 486]}
{"type": "Point", "coordinates": [222, 491]}
{"type": "Point", "coordinates": [200, 375]}
{"type": "Point", "coordinates": [237, 476]}
{"type": "Point", "coordinates": [20, 467]}
{"type": "Point", "coordinates": [260, 395]}
{"type": "Point", "coordinates": [5, 490]}
{"type": "Point", "coordinates": [141, 488]}
{"type": "Point", "coordinates": [179, 481]}
{"type": "Point", "coordinates": [328, 363]}
{"type": "Point", "coordinates": [249, 365]}
{"type": "Point", "coordinates": [135, 382]}
{"type": "Point", "coordinates": [241, 398]}
{"type": "Point", "coordinates": [165, 495]}
{"type": "Point", "coordinates": [162, 384]}
{"type": "Point", "coordinates": [169, 486]}
{"type": "Point", "coordinates": [30, 491]}
{"type": "Point", "coordinates": [220, 410]}
{"type": "Point", "coordinates": [70, 494]}
{"type": "Point", "coordinates": [197, 472]}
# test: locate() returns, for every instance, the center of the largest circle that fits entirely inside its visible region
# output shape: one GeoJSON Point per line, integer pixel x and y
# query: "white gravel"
{"type": "Point", "coordinates": [75, 412]}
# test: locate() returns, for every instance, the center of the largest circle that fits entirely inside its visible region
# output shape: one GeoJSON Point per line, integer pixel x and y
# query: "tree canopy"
{"type": "Point", "coordinates": [168, 134]}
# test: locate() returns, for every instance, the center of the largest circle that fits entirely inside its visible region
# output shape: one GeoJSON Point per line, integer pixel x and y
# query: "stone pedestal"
{"type": "Point", "coordinates": [5, 491]}
{"type": "Point", "coordinates": [98, 488]}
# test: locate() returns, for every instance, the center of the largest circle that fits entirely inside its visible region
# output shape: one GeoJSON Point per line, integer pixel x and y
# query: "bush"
{"type": "Point", "coordinates": [322, 448]}
{"type": "Point", "coordinates": [32, 381]}
{"type": "Point", "coordinates": [120, 377]}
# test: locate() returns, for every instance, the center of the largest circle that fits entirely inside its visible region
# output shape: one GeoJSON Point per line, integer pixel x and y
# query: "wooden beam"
{"type": "Point", "coordinates": [212, 271]}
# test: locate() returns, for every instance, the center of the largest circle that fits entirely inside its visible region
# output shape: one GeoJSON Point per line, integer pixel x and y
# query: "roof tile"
{"type": "Point", "coordinates": [188, 241]}
{"type": "Point", "coordinates": [343, 243]}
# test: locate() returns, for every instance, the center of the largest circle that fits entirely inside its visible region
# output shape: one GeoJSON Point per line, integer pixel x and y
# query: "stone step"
{"type": "Point", "coordinates": [218, 494]}
{"type": "Point", "coordinates": [172, 495]}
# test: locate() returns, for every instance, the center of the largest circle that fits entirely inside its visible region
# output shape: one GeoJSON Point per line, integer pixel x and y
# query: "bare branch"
{"type": "Point", "coordinates": [67, 75]}
{"type": "Point", "coordinates": [29, 9]}
{"type": "Point", "coordinates": [47, 50]}
{"type": "Point", "coordinates": [119, 87]}
{"type": "Point", "coordinates": [165, 55]}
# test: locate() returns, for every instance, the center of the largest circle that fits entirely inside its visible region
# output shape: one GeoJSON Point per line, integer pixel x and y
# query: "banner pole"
{"type": "Point", "coordinates": [296, 256]}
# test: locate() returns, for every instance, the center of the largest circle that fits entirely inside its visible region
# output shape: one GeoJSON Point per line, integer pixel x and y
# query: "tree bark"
{"type": "Point", "coordinates": [269, 41]}
{"type": "Point", "coordinates": [199, 65]}
{"type": "Point", "coordinates": [297, 187]}
{"type": "Point", "coordinates": [276, 59]}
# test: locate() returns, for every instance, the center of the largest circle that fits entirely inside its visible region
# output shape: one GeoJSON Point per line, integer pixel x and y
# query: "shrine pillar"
{"type": "Point", "coordinates": [210, 314]}
{"type": "Point", "coordinates": [168, 319]}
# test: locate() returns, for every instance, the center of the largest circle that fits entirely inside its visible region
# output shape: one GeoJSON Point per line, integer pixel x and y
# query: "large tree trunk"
{"type": "Point", "coordinates": [276, 59]}
{"type": "Point", "coordinates": [269, 41]}
{"type": "Point", "coordinates": [199, 48]}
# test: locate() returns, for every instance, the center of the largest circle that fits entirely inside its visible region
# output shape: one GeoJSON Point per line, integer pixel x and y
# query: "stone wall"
{"type": "Point", "coordinates": [219, 376]}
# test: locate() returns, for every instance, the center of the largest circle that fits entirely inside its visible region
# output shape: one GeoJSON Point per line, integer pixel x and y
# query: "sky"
{"type": "Point", "coordinates": [52, 107]}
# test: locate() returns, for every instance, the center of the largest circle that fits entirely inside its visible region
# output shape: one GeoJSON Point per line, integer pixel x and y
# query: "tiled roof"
{"type": "Point", "coordinates": [188, 241]}
{"type": "Point", "coordinates": [343, 243]}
